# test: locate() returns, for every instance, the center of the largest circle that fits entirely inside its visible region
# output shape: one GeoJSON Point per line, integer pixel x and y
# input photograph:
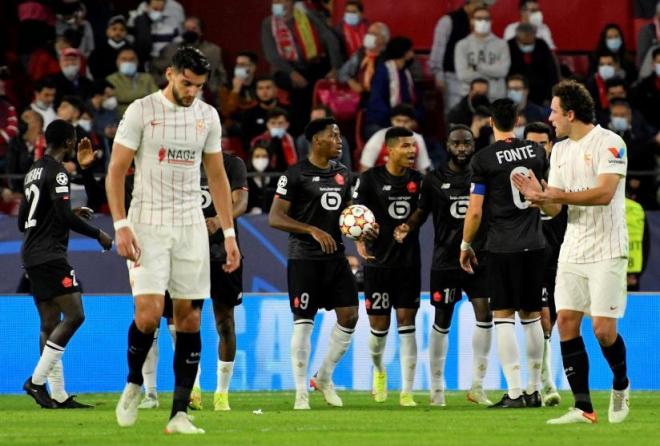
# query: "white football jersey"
{"type": "Point", "coordinates": [169, 142]}
{"type": "Point", "coordinates": [593, 233]}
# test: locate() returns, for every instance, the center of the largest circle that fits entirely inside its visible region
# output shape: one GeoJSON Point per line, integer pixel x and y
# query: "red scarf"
{"type": "Point", "coordinates": [602, 92]}
{"type": "Point", "coordinates": [304, 34]}
{"type": "Point", "coordinates": [367, 70]}
{"type": "Point", "coordinates": [353, 36]}
{"type": "Point", "coordinates": [288, 149]}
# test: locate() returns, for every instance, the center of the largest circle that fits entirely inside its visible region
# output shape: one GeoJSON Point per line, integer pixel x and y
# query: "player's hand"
{"type": "Point", "coordinates": [84, 212]}
{"type": "Point", "coordinates": [85, 153]}
{"type": "Point", "coordinates": [328, 244]}
{"type": "Point", "coordinates": [468, 259]}
{"type": "Point", "coordinates": [212, 225]}
{"type": "Point", "coordinates": [298, 80]}
{"type": "Point", "coordinates": [127, 244]}
{"type": "Point", "coordinates": [237, 84]}
{"type": "Point", "coordinates": [401, 232]}
{"type": "Point", "coordinates": [105, 241]}
{"type": "Point", "coordinates": [371, 233]}
{"type": "Point", "coordinates": [233, 255]}
{"type": "Point", "coordinates": [362, 251]}
{"type": "Point", "coordinates": [528, 185]}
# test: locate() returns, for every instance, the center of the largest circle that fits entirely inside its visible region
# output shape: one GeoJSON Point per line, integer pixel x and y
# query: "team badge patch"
{"type": "Point", "coordinates": [617, 153]}
{"type": "Point", "coordinates": [437, 296]}
{"type": "Point", "coordinates": [67, 282]}
{"type": "Point", "coordinates": [62, 179]}
{"type": "Point", "coordinates": [412, 187]}
{"type": "Point", "coordinates": [201, 125]}
{"type": "Point", "coordinates": [339, 179]}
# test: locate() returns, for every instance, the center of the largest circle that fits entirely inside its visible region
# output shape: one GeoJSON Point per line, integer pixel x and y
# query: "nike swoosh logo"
{"type": "Point", "coordinates": [155, 123]}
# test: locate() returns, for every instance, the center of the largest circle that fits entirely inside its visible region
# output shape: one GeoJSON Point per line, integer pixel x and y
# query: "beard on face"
{"type": "Point", "coordinates": [179, 99]}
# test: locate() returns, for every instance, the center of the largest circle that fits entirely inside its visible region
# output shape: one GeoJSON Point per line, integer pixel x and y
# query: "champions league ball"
{"type": "Point", "coordinates": [355, 220]}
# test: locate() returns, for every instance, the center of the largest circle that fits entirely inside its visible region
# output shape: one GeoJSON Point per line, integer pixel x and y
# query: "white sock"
{"type": "Point", "coordinates": [546, 371]}
{"type": "Point", "coordinates": [507, 349]}
{"type": "Point", "coordinates": [225, 371]}
{"type": "Point", "coordinates": [534, 341]}
{"type": "Point", "coordinates": [56, 383]}
{"type": "Point", "coordinates": [481, 342]}
{"type": "Point", "coordinates": [408, 357]}
{"type": "Point", "coordinates": [197, 377]}
{"type": "Point", "coordinates": [438, 346]}
{"type": "Point", "coordinates": [150, 367]}
{"type": "Point", "coordinates": [377, 341]}
{"type": "Point", "coordinates": [51, 354]}
{"type": "Point", "coordinates": [301, 346]}
{"type": "Point", "coordinates": [172, 329]}
{"type": "Point", "coordinates": [340, 341]}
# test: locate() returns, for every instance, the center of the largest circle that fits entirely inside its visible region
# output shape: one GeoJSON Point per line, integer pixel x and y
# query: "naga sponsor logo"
{"type": "Point", "coordinates": [181, 157]}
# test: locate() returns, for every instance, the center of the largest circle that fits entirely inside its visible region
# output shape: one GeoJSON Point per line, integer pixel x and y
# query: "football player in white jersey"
{"type": "Point", "coordinates": [587, 173]}
{"type": "Point", "coordinates": [168, 134]}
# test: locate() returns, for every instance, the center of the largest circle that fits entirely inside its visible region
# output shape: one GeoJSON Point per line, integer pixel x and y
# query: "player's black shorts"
{"type": "Point", "coordinates": [548, 290]}
{"type": "Point", "coordinates": [315, 284]}
{"type": "Point", "coordinates": [226, 289]}
{"type": "Point", "coordinates": [447, 286]}
{"type": "Point", "coordinates": [385, 288]}
{"type": "Point", "coordinates": [516, 280]}
{"type": "Point", "coordinates": [168, 309]}
{"type": "Point", "coordinates": [52, 279]}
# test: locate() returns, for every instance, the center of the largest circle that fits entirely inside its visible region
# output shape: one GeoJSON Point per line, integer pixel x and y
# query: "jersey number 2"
{"type": "Point", "coordinates": [32, 196]}
{"type": "Point", "coordinates": [517, 197]}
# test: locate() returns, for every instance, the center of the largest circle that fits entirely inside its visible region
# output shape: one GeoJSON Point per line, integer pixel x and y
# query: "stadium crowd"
{"type": "Point", "coordinates": [354, 70]}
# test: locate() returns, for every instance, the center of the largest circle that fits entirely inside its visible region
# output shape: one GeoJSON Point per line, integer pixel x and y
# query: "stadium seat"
{"type": "Point", "coordinates": [233, 146]}
{"type": "Point", "coordinates": [577, 63]}
{"type": "Point", "coordinates": [343, 101]}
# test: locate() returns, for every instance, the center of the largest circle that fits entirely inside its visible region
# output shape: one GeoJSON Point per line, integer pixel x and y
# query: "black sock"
{"type": "Point", "coordinates": [576, 367]}
{"type": "Point", "coordinates": [616, 358]}
{"type": "Point", "coordinates": [138, 347]}
{"type": "Point", "coordinates": [186, 363]}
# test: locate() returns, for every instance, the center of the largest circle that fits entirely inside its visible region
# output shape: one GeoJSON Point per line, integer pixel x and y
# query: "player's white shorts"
{"type": "Point", "coordinates": [173, 258]}
{"type": "Point", "coordinates": [596, 289]}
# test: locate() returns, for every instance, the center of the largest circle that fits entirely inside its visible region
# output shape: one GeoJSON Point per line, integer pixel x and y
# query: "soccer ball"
{"type": "Point", "coordinates": [355, 220]}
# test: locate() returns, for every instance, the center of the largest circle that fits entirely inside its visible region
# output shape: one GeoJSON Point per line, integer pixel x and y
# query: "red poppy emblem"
{"type": "Point", "coordinates": [437, 296]}
{"type": "Point", "coordinates": [296, 302]}
{"type": "Point", "coordinates": [340, 179]}
{"type": "Point", "coordinates": [412, 187]}
{"type": "Point", "coordinates": [67, 282]}
{"type": "Point", "coordinates": [367, 304]}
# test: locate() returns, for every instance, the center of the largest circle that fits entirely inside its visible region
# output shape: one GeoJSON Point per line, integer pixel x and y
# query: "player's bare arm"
{"type": "Point", "coordinates": [115, 182]}
{"type": "Point", "coordinates": [221, 193]}
{"type": "Point", "coordinates": [470, 228]}
{"type": "Point", "coordinates": [279, 218]}
{"type": "Point", "coordinates": [415, 220]}
{"type": "Point", "coordinates": [533, 191]}
{"type": "Point", "coordinates": [239, 200]}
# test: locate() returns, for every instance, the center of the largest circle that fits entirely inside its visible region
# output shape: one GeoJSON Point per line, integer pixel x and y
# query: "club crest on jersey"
{"type": "Point", "coordinates": [412, 187]}
{"type": "Point", "coordinates": [339, 179]}
{"type": "Point", "coordinates": [62, 179]}
{"type": "Point", "coordinates": [200, 126]}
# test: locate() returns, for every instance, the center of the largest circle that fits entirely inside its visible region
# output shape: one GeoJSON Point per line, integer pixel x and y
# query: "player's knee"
{"type": "Point", "coordinates": [147, 323]}
{"type": "Point", "coordinates": [47, 327]}
{"type": "Point", "coordinates": [348, 320]}
{"type": "Point", "coordinates": [605, 333]}
{"type": "Point", "coordinates": [225, 327]}
{"type": "Point", "coordinates": [568, 325]}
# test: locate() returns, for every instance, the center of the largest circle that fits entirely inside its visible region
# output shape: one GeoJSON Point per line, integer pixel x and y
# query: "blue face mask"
{"type": "Point", "coordinates": [351, 18]}
{"type": "Point", "coordinates": [606, 71]}
{"type": "Point", "coordinates": [277, 132]}
{"type": "Point", "coordinates": [128, 68]}
{"type": "Point", "coordinates": [526, 48]}
{"type": "Point", "coordinates": [614, 44]}
{"type": "Point", "coordinates": [278, 9]}
{"type": "Point", "coordinates": [619, 124]}
{"type": "Point", "coordinates": [515, 95]}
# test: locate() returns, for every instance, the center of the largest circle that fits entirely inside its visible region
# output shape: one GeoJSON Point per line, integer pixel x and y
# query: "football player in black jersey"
{"type": "Point", "coordinates": [515, 244]}
{"type": "Point", "coordinates": [553, 229]}
{"type": "Point", "coordinates": [309, 199]}
{"type": "Point", "coordinates": [445, 194]}
{"type": "Point", "coordinates": [46, 217]}
{"type": "Point", "coordinates": [392, 270]}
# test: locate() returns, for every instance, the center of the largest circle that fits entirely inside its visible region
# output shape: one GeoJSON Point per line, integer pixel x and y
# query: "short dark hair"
{"type": "Point", "coordinates": [199, 21]}
{"type": "Point", "coordinates": [46, 82]}
{"type": "Point", "coordinates": [403, 110]}
{"type": "Point", "coordinates": [482, 7]}
{"type": "Point", "coordinates": [264, 79]}
{"type": "Point", "coordinates": [276, 113]}
{"type": "Point", "coordinates": [525, 28]}
{"type": "Point", "coordinates": [614, 82]}
{"type": "Point", "coordinates": [523, 3]}
{"type": "Point", "coordinates": [75, 101]}
{"type": "Point", "coordinates": [250, 55]}
{"type": "Point", "coordinates": [356, 3]}
{"type": "Point", "coordinates": [479, 80]}
{"type": "Point", "coordinates": [58, 132]}
{"type": "Point", "coordinates": [260, 143]}
{"type": "Point", "coordinates": [619, 101]}
{"type": "Point", "coordinates": [518, 77]}
{"type": "Point", "coordinates": [454, 127]}
{"type": "Point", "coordinates": [607, 53]}
{"type": "Point", "coordinates": [325, 108]}
{"type": "Point", "coordinates": [504, 113]}
{"type": "Point", "coordinates": [394, 133]}
{"type": "Point", "coordinates": [538, 127]}
{"type": "Point", "coordinates": [190, 58]}
{"type": "Point", "coordinates": [99, 86]}
{"type": "Point", "coordinates": [317, 126]}
{"type": "Point", "coordinates": [482, 110]}
{"type": "Point", "coordinates": [656, 52]}
{"type": "Point", "coordinates": [574, 96]}
{"type": "Point", "coordinates": [397, 47]}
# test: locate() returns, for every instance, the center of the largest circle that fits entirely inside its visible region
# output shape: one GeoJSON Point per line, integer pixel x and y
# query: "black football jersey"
{"type": "Point", "coordinates": [46, 238]}
{"type": "Point", "coordinates": [237, 176]}
{"type": "Point", "coordinates": [317, 196]}
{"type": "Point", "coordinates": [392, 199]}
{"type": "Point", "coordinates": [446, 194]}
{"type": "Point", "coordinates": [513, 226]}
{"type": "Point", "coordinates": [554, 229]}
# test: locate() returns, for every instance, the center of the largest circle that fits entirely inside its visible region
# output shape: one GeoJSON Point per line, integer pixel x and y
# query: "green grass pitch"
{"type": "Point", "coordinates": [360, 422]}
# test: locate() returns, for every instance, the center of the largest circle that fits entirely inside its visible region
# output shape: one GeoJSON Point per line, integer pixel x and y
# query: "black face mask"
{"type": "Point", "coordinates": [190, 37]}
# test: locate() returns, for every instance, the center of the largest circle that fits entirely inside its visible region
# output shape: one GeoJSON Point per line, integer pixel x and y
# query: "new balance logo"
{"type": "Point", "coordinates": [316, 179]}
{"type": "Point", "coordinates": [387, 187]}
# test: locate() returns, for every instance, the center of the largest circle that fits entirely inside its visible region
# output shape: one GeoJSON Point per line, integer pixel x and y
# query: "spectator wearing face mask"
{"type": "Point", "coordinates": [102, 61]}
{"type": "Point", "coordinates": [281, 148]}
{"type": "Point", "coordinates": [69, 82]}
{"type": "Point", "coordinates": [462, 112]}
{"type": "Point", "coordinates": [25, 148]}
{"type": "Point", "coordinates": [302, 144]}
{"type": "Point", "coordinates": [646, 95]}
{"type": "Point", "coordinates": [253, 121]}
{"type": "Point", "coordinates": [392, 85]}
{"type": "Point", "coordinates": [608, 68]}
{"type": "Point", "coordinates": [193, 35]}
{"type": "Point", "coordinates": [103, 106]}
{"type": "Point", "coordinates": [517, 89]}
{"type": "Point", "coordinates": [44, 97]}
{"type": "Point", "coordinates": [530, 12]}
{"type": "Point", "coordinates": [128, 82]}
{"type": "Point", "coordinates": [532, 58]}
{"type": "Point", "coordinates": [612, 41]}
{"type": "Point", "coordinates": [155, 24]}
{"type": "Point", "coordinates": [261, 188]}
{"type": "Point", "coordinates": [482, 54]}
{"type": "Point", "coordinates": [353, 27]}
{"type": "Point", "coordinates": [240, 94]}
{"type": "Point", "coordinates": [359, 69]}
{"type": "Point", "coordinates": [71, 17]}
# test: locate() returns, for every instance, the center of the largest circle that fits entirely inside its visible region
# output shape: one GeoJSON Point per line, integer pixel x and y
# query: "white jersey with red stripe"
{"type": "Point", "coordinates": [593, 233]}
{"type": "Point", "coordinates": [169, 141]}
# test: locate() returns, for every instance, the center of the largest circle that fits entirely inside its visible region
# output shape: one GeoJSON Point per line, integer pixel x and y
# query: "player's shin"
{"type": "Point", "coordinates": [186, 363]}
{"type": "Point", "coordinates": [150, 367]}
{"type": "Point", "coordinates": [481, 342]}
{"type": "Point", "coordinates": [547, 377]}
{"type": "Point", "coordinates": [340, 341]}
{"type": "Point", "coordinates": [300, 349]}
{"type": "Point", "coordinates": [438, 346]}
{"type": "Point", "coordinates": [576, 367]}
{"type": "Point", "coordinates": [138, 347]}
{"type": "Point", "coordinates": [56, 383]}
{"type": "Point", "coordinates": [408, 357]}
{"type": "Point", "coordinates": [377, 342]}
{"type": "Point", "coordinates": [507, 349]}
{"type": "Point", "coordinates": [534, 342]}
{"type": "Point", "coordinates": [51, 355]}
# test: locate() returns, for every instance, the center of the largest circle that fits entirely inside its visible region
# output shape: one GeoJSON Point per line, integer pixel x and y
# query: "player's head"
{"type": "Point", "coordinates": [187, 74]}
{"type": "Point", "coordinates": [571, 105]}
{"type": "Point", "coordinates": [324, 137]}
{"type": "Point", "coordinates": [541, 133]}
{"type": "Point", "coordinates": [403, 115]}
{"type": "Point", "coordinates": [504, 114]}
{"type": "Point", "coordinates": [460, 144]}
{"type": "Point", "coordinates": [61, 137]}
{"type": "Point", "coordinates": [400, 143]}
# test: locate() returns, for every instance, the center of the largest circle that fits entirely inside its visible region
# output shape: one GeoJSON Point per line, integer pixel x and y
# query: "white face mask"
{"type": "Point", "coordinates": [369, 41]}
{"type": "Point", "coordinates": [71, 71]}
{"type": "Point", "coordinates": [155, 15]}
{"type": "Point", "coordinates": [614, 43]}
{"type": "Point", "coordinates": [606, 71]}
{"type": "Point", "coordinates": [116, 45]}
{"type": "Point", "coordinates": [657, 69]}
{"type": "Point", "coordinates": [277, 132]}
{"type": "Point", "coordinates": [41, 105]}
{"type": "Point", "coordinates": [109, 103]}
{"type": "Point", "coordinates": [278, 9]}
{"type": "Point", "coordinates": [128, 68]}
{"type": "Point", "coordinates": [619, 124]}
{"type": "Point", "coordinates": [482, 26]}
{"type": "Point", "coordinates": [536, 18]}
{"type": "Point", "coordinates": [241, 73]}
{"type": "Point", "coordinates": [85, 124]}
{"type": "Point", "coordinates": [259, 164]}
{"type": "Point", "coordinates": [351, 18]}
{"type": "Point", "coordinates": [515, 95]}
{"type": "Point", "coordinates": [519, 131]}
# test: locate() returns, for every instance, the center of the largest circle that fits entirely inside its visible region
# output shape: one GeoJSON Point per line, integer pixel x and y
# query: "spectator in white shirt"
{"type": "Point", "coordinates": [530, 12]}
